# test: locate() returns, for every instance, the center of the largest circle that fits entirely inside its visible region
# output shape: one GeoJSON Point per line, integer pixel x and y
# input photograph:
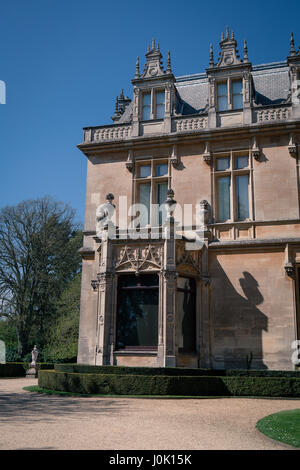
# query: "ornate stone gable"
{"type": "Point", "coordinates": [138, 258]}
{"type": "Point", "coordinates": [188, 261]}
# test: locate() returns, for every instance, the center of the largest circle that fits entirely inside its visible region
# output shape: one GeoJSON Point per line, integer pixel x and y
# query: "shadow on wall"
{"type": "Point", "coordinates": [237, 322]}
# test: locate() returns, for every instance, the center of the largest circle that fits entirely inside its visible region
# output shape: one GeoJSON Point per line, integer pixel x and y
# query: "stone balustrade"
{"type": "Point", "coordinates": [102, 134]}
{"type": "Point", "coordinates": [191, 124]}
{"type": "Point", "coordinates": [274, 114]}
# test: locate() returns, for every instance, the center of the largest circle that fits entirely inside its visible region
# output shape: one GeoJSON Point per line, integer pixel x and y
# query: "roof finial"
{"type": "Point", "coordinates": [222, 36]}
{"type": "Point", "coordinates": [227, 32]}
{"type": "Point", "coordinates": [232, 35]}
{"type": "Point", "coordinates": [153, 44]}
{"type": "Point", "coordinates": [157, 47]}
{"type": "Point", "coordinates": [122, 94]}
{"type": "Point", "coordinates": [137, 68]}
{"type": "Point", "coordinates": [148, 49]}
{"type": "Point", "coordinates": [292, 51]}
{"type": "Point", "coordinates": [245, 51]}
{"type": "Point", "coordinates": [117, 106]}
{"type": "Point", "coordinates": [211, 56]}
{"type": "Point", "coordinates": [169, 70]}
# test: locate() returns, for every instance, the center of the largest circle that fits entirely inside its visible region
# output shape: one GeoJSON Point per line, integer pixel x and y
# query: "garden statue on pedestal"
{"type": "Point", "coordinates": [32, 372]}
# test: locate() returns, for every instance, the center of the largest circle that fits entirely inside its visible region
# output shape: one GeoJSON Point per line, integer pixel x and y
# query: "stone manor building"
{"type": "Point", "coordinates": [224, 144]}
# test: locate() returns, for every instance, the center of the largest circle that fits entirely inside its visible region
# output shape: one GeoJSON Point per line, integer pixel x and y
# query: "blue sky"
{"type": "Point", "coordinates": [65, 61]}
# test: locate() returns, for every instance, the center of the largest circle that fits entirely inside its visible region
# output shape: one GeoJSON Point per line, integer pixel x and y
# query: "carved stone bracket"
{"type": "Point", "coordinates": [255, 150]}
{"type": "Point", "coordinates": [292, 147]}
{"type": "Point", "coordinates": [95, 284]}
{"type": "Point", "coordinates": [130, 161]}
{"type": "Point", "coordinates": [207, 156]}
{"type": "Point", "coordinates": [175, 158]}
{"type": "Point", "coordinates": [290, 270]}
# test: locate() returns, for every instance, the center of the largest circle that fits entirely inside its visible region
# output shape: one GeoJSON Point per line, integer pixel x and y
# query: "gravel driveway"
{"type": "Point", "coordinates": [63, 422]}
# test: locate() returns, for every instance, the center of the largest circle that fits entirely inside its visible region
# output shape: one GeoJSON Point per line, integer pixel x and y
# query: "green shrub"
{"type": "Point", "coordinates": [129, 384]}
{"type": "Point", "coordinates": [171, 371]}
{"type": "Point", "coordinates": [18, 369]}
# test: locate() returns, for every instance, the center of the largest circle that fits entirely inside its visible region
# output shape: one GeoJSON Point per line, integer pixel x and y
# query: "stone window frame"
{"type": "Point", "coordinates": [152, 179]}
{"type": "Point", "coordinates": [232, 172]}
{"type": "Point", "coordinates": [153, 91]}
{"type": "Point", "coordinates": [229, 80]}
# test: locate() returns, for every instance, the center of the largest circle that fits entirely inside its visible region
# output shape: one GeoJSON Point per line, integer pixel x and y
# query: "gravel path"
{"type": "Point", "coordinates": [37, 421]}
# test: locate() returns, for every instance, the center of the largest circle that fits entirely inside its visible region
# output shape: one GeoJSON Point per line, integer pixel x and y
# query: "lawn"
{"type": "Point", "coordinates": [283, 426]}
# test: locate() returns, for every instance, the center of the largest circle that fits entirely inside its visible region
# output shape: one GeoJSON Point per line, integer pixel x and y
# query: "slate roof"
{"type": "Point", "coordinates": [271, 85]}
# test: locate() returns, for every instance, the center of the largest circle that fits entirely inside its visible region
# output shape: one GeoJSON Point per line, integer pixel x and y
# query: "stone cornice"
{"type": "Point", "coordinates": [205, 134]}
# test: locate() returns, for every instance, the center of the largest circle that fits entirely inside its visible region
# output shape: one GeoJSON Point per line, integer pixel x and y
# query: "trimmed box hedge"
{"type": "Point", "coordinates": [128, 384]}
{"type": "Point", "coordinates": [172, 371]}
{"type": "Point", "coordinates": [18, 369]}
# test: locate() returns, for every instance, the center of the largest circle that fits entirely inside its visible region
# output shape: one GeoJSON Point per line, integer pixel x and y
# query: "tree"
{"type": "Point", "coordinates": [63, 332]}
{"type": "Point", "coordinates": [39, 244]}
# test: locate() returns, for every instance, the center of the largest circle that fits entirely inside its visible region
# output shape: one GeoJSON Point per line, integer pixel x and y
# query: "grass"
{"type": "Point", "coordinates": [283, 426]}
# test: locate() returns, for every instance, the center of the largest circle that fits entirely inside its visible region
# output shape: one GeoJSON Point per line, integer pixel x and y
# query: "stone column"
{"type": "Point", "coordinates": [105, 305]}
{"type": "Point", "coordinates": [169, 275]}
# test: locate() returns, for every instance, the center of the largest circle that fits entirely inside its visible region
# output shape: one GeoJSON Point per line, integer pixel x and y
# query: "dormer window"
{"type": "Point", "coordinates": [230, 95]}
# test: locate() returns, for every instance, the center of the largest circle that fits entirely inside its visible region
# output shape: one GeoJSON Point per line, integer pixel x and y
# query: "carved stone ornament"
{"type": "Point", "coordinates": [292, 147]}
{"type": "Point", "coordinates": [207, 156]}
{"type": "Point", "coordinates": [104, 214]}
{"type": "Point", "coordinates": [94, 284]}
{"type": "Point", "coordinates": [130, 162]}
{"type": "Point", "coordinates": [139, 258]}
{"type": "Point", "coordinates": [188, 261]}
{"type": "Point", "coordinates": [175, 159]}
{"type": "Point", "coordinates": [290, 270]}
{"type": "Point", "coordinates": [255, 150]}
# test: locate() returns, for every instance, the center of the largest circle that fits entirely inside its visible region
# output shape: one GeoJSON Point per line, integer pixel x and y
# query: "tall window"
{"type": "Point", "coordinates": [146, 106]}
{"type": "Point", "coordinates": [151, 185]}
{"type": "Point", "coordinates": [237, 94]}
{"type": "Point", "coordinates": [137, 312]}
{"type": "Point", "coordinates": [230, 95]}
{"type": "Point", "coordinates": [232, 181]}
{"type": "Point", "coordinates": [222, 96]}
{"type": "Point", "coordinates": [160, 104]}
{"type": "Point", "coordinates": [153, 105]}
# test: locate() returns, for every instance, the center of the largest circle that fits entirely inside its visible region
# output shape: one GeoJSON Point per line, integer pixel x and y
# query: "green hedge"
{"type": "Point", "coordinates": [172, 371]}
{"type": "Point", "coordinates": [18, 369]}
{"type": "Point", "coordinates": [113, 384]}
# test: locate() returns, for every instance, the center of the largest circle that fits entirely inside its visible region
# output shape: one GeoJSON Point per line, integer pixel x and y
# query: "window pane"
{"type": "Point", "coordinates": [223, 163]}
{"type": "Point", "coordinates": [237, 94]}
{"type": "Point", "coordinates": [146, 107]}
{"type": "Point", "coordinates": [137, 318]}
{"type": "Point", "coordinates": [241, 162]}
{"type": "Point", "coordinates": [160, 111]}
{"type": "Point", "coordinates": [147, 99]}
{"type": "Point", "coordinates": [222, 89]}
{"type": "Point", "coordinates": [160, 97]}
{"type": "Point", "coordinates": [237, 87]}
{"type": "Point", "coordinates": [162, 189]}
{"type": "Point", "coordinates": [145, 200]}
{"type": "Point", "coordinates": [162, 169]}
{"type": "Point", "coordinates": [237, 101]}
{"type": "Point", "coordinates": [223, 198]}
{"type": "Point", "coordinates": [242, 183]}
{"type": "Point", "coordinates": [145, 170]}
{"type": "Point", "coordinates": [160, 105]}
{"type": "Point", "coordinates": [222, 103]}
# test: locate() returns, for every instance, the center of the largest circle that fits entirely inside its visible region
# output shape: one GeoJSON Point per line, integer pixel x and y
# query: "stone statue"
{"type": "Point", "coordinates": [34, 355]}
{"type": "Point", "coordinates": [104, 214]}
{"type": "Point", "coordinates": [32, 372]}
